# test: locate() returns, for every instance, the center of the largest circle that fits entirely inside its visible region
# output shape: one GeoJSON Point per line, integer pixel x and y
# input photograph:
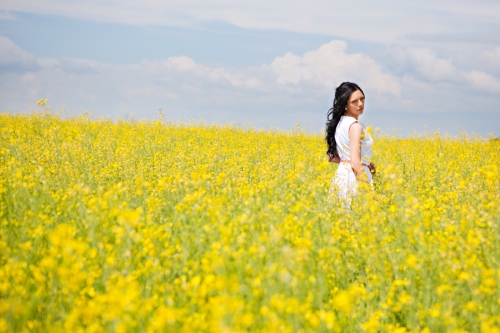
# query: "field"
{"type": "Point", "coordinates": [150, 226]}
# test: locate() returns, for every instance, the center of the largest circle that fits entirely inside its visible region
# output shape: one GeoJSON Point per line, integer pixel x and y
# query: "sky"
{"type": "Point", "coordinates": [424, 66]}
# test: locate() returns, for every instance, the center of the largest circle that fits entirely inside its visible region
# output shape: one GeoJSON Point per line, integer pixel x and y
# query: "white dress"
{"type": "Point", "coordinates": [344, 183]}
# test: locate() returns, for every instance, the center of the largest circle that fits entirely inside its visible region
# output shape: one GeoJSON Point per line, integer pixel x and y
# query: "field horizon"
{"type": "Point", "coordinates": [63, 114]}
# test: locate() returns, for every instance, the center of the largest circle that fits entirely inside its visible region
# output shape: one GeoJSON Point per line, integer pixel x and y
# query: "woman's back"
{"type": "Point", "coordinates": [344, 143]}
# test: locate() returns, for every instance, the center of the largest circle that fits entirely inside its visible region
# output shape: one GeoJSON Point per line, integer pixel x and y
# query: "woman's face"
{"type": "Point", "coordinates": [355, 104]}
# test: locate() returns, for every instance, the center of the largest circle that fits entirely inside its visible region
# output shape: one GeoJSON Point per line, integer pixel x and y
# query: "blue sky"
{"type": "Point", "coordinates": [271, 64]}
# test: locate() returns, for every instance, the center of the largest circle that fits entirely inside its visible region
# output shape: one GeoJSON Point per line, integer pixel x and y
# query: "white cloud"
{"type": "Point", "coordinates": [290, 89]}
{"type": "Point", "coordinates": [492, 58]}
{"type": "Point", "coordinates": [330, 65]}
{"type": "Point", "coordinates": [5, 15]}
{"type": "Point", "coordinates": [424, 63]}
{"type": "Point", "coordinates": [484, 81]}
{"type": "Point", "coordinates": [422, 67]}
{"type": "Point", "coordinates": [493, 55]}
{"type": "Point", "coordinates": [361, 20]}
{"type": "Point", "coordinates": [177, 65]}
{"type": "Point", "coordinates": [13, 58]}
{"type": "Point", "coordinates": [431, 67]}
{"type": "Point", "coordinates": [181, 63]}
{"type": "Point", "coordinates": [424, 71]}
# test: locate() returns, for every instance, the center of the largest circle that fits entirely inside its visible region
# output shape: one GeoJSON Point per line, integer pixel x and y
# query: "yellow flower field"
{"type": "Point", "coordinates": [149, 226]}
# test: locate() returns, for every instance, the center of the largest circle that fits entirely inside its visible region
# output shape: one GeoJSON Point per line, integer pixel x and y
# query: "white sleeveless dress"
{"type": "Point", "coordinates": [344, 183]}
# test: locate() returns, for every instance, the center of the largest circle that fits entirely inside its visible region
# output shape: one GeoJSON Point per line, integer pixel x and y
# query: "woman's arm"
{"type": "Point", "coordinates": [355, 132]}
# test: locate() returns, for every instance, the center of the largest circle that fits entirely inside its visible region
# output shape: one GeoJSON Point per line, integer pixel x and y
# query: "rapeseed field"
{"type": "Point", "coordinates": [151, 226]}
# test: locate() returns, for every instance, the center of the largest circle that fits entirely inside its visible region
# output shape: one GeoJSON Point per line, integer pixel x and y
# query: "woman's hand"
{"type": "Point", "coordinates": [371, 166]}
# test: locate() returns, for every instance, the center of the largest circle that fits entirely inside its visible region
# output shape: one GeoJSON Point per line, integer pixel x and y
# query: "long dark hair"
{"type": "Point", "coordinates": [342, 94]}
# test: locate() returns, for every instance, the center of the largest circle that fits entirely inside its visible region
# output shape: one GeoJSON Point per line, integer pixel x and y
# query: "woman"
{"type": "Point", "coordinates": [348, 141]}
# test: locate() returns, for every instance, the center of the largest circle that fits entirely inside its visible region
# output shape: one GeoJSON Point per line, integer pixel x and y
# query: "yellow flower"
{"type": "Point", "coordinates": [411, 261]}
{"type": "Point", "coordinates": [343, 302]}
{"type": "Point", "coordinates": [158, 226]}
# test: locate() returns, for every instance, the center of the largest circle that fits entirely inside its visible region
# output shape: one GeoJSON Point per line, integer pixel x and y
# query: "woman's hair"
{"type": "Point", "coordinates": [342, 94]}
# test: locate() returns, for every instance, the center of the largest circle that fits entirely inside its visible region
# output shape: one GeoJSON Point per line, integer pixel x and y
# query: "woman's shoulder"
{"type": "Point", "coordinates": [362, 125]}
{"type": "Point", "coordinates": [347, 120]}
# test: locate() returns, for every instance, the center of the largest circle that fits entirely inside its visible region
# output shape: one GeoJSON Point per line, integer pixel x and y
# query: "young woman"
{"type": "Point", "coordinates": [348, 141]}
